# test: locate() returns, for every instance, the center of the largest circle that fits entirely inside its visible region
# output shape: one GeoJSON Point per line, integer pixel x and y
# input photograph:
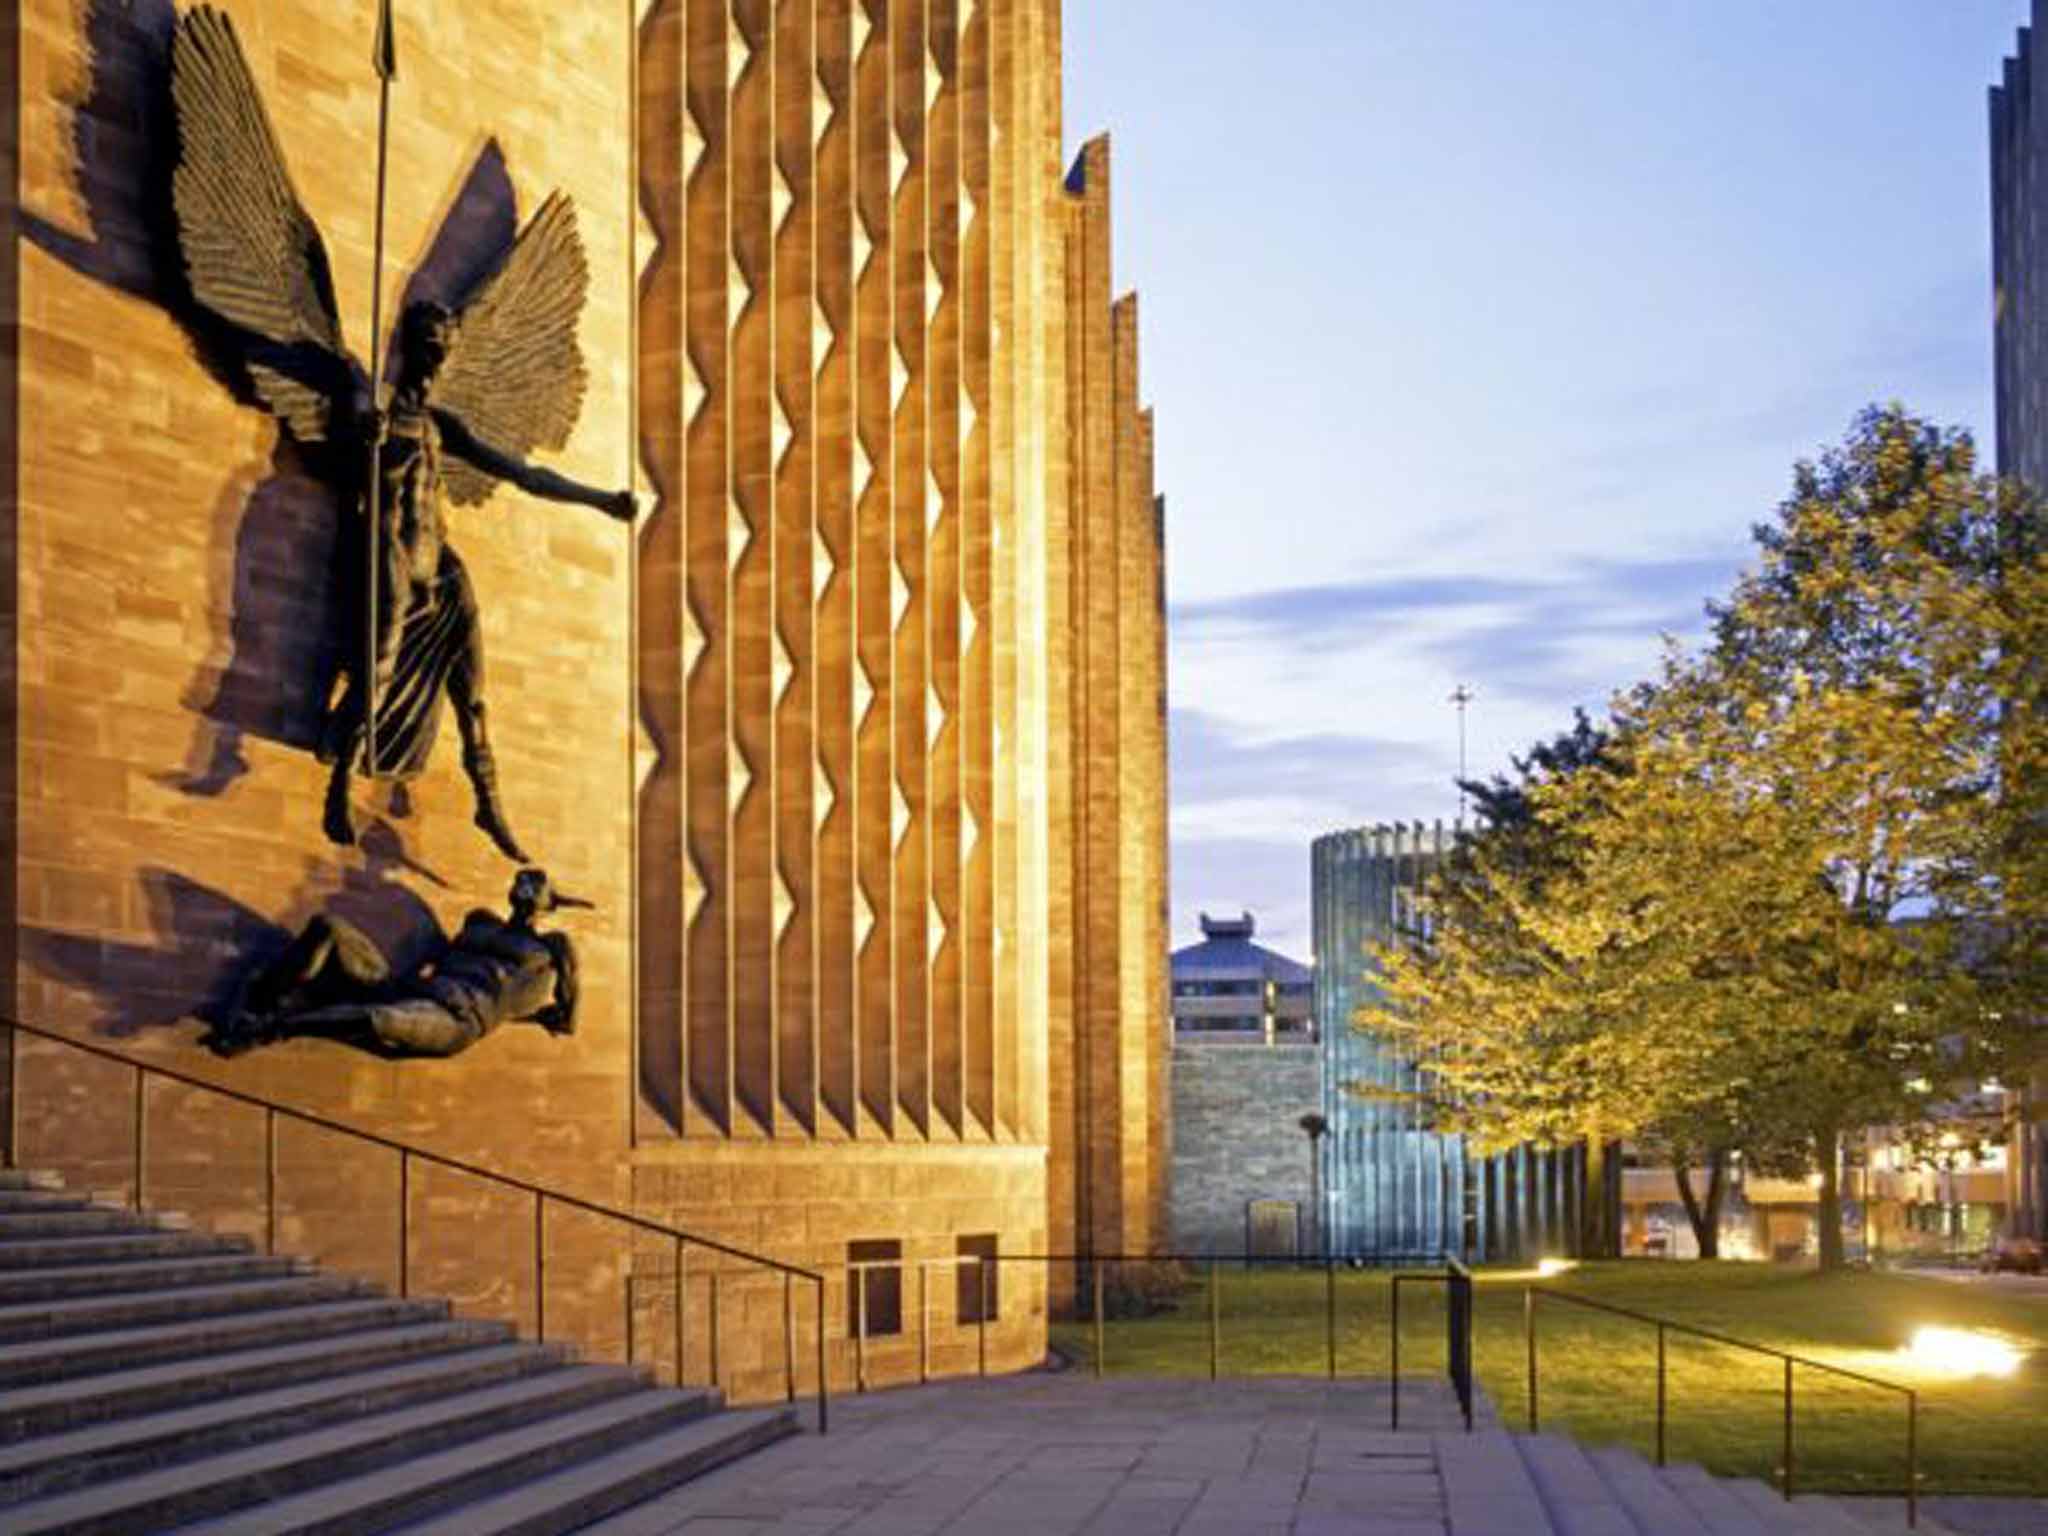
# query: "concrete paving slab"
{"type": "Point", "coordinates": [1060, 1454]}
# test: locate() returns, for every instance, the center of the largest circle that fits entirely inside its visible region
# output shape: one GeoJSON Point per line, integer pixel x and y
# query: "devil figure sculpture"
{"type": "Point", "coordinates": [332, 982]}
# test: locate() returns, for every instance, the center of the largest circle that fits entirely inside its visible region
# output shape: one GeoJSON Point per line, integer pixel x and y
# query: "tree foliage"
{"type": "Point", "coordinates": [1794, 890]}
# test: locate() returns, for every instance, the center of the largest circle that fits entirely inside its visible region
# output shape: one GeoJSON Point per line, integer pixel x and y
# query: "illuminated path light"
{"type": "Point", "coordinates": [1960, 1352]}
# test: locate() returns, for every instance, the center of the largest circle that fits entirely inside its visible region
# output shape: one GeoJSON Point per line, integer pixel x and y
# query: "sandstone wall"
{"type": "Point", "coordinates": [795, 735]}
{"type": "Point", "coordinates": [1110, 987]}
{"type": "Point", "coordinates": [173, 597]}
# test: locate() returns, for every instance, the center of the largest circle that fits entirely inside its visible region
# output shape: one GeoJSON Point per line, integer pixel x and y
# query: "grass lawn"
{"type": "Point", "coordinates": [1598, 1374]}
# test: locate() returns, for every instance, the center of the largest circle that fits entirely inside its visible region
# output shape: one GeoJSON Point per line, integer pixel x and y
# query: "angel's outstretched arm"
{"type": "Point", "coordinates": [530, 478]}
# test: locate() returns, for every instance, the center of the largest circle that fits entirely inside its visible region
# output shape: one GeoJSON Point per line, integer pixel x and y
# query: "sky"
{"type": "Point", "coordinates": [1479, 334]}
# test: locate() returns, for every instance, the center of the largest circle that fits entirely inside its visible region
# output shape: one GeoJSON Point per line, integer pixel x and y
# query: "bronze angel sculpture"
{"type": "Point", "coordinates": [474, 390]}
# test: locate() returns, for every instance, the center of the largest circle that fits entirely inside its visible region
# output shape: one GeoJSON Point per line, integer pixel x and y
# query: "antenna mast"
{"type": "Point", "coordinates": [1462, 697]}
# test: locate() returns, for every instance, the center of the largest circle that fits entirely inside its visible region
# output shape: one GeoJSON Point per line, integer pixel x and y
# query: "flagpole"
{"type": "Point", "coordinates": [386, 63]}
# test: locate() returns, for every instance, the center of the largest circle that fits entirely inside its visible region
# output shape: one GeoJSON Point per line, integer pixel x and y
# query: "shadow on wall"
{"type": "Point", "coordinates": [663, 800]}
{"type": "Point", "coordinates": [275, 529]}
{"type": "Point", "coordinates": [209, 942]}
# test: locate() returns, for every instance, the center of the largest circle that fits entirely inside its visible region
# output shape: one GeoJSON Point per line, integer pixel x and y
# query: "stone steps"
{"type": "Point", "coordinates": [12, 1200]}
{"type": "Point", "coordinates": [569, 1500]}
{"type": "Point", "coordinates": [1719, 1507]}
{"type": "Point", "coordinates": [28, 1321]}
{"type": "Point", "coordinates": [112, 1247]}
{"type": "Point", "coordinates": [155, 1379]}
{"type": "Point", "coordinates": [92, 1399]}
{"type": "Point", "coordinates": [1572, 1490]}
{"type": "Point", "coordinates": [1488, 1489]}
{"type": "Point", "coordinates": [29, 1178]}
{"type": "Point", "coordinates": [410, 1491]}
{"type": "Point", "coordinates": [78, 1221]}
{"type": "Point", "coordinates": [272, 1472]}
{"type": "Point", "coordinates": [46, 1360]}
{"type": "Point", "coordinates": [28, 1285]}
{"type": "Point", "coordinates": [53, 1463]}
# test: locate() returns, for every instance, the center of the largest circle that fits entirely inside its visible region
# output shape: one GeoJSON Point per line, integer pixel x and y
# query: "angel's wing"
{"type": "Point", "coordinates": [515, 376]}
{"type": "Point", "coordinates": [252, 253]}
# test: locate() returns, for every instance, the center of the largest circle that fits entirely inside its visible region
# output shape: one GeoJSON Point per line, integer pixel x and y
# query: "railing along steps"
{"type": "Point", "coordinates": [155, 1379]}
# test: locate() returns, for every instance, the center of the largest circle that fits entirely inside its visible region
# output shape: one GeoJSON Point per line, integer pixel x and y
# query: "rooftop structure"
{"type": "Point", "coordinates": [1228, 990]}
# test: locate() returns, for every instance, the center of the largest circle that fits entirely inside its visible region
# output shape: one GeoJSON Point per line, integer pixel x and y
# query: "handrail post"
{"type": "Point", "coordinates": [981, 1316]}
{"type": "Point", "coordinates": [626, 1290]}
{"type": "Point", "coordinates": [1529, 1329]}
{"type": "Point", "coordinates": [1471, 1326]}
{"type": "Point", "coordinates": [1095, 1286]}
{"type": "Point", "coordinates": [1394, 1353]}
{"type": "Point", "coordinates": [681, 1301]}
{"type": "Point", "coordinates": [924, 1323]}
{"type": "Point", "coordinates": [789, 1336]}
{"type": "Point", "coordinates": [1788, 1428]}
{"type": "Point", "coordinates": [404, 1224]}
{"type": "Point", "coordinates": [1330, 1312]}
{"type": "Point", "coordinates": [860, 1321]}
{"type": "Point", "coordinates": [1660, 1394]}
{"type": "Point", "coordinates": [1911, 1459]}
{"type": "Point", "coordinates": [141, 1129]}
{"type": "Point", "coordinates": [269, 1180]}
{"type": "Point", "coordinates": [1215, 1320]}
{"type": "Point", "coordinates": [13, 1097]}
{"type": "Point", "coordinates": [717, 1279]}
{"type": "Point", "coordinates": [823, 1389]}
{"type": "Point", "coordinates": [540, 1267]}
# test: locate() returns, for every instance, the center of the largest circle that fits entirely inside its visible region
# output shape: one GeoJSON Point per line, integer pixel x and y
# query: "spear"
{"type": "Point", "coordinates": [385, 60]}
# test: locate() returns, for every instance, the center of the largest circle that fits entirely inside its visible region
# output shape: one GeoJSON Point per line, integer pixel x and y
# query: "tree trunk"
{"type": "Point", "coordinates": [1599, 1237]}
{"type": "Point", "coordinates": [1827, 1147]}
{"type": "Point", "coordinates": [1705, 1216]}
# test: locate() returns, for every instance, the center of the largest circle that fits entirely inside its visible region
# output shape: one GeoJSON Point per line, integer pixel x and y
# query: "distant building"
{"type": "Point", "coordinates": [1228, 990]}
{"type": "Point", "coordinates": [1393, 1187]}
{"type": "Point", "coordinates": [2019, 270]}
{"type": "Point", "coordinates": [1245, 1068]}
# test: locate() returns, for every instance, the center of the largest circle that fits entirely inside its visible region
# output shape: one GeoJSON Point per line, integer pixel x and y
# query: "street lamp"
{"type": "Point", "coordinates": [1315, 1125]}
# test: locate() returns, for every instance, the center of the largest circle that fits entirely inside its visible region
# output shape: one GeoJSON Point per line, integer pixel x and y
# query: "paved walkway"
{"type": "Point", "coordinates": [1981, 1517]}
{"type": "Point", "coordinates": [1065, 1455]}
{"type": "Point", "coordinates": [1060, 1454]}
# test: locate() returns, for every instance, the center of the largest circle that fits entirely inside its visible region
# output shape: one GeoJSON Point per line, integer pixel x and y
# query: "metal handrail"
{"type": "Point", "coordinates": [543, 1197]}
{"type": "Point", "coordinates": [1455, 1277]}
{"type": "Point", "coordinates": [987, 1265]}
{"type": "Point", "coordinates": [858, 1268]}
{"type": "Point", "coordinates": [1666, 1326]}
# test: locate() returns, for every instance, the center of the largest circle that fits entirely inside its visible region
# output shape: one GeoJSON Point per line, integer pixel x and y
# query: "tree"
{"type": "Point", "coordinates": [1473, 991]}
{"type": "Point", "coordinates": [1803, 894]}
{"type": "Point", "coordinates": [1813, 845]}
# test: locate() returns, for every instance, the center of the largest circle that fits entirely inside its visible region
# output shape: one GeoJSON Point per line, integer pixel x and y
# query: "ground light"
{"type": "Point", "coordinates": [1544, 1269]}
{"type": "Point", "coordinates": [1961, 1352]}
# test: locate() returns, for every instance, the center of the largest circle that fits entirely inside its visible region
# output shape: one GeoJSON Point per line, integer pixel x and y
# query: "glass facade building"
{"type": "Point", "coordinates": [1393, 1187]}
{"type": "Point", "coordinates": [2019, 268]}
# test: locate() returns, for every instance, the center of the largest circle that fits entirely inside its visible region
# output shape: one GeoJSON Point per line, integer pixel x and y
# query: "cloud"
{"type": "Point", "coordinates": [1376, 659]}
{"type": "Point", "coordinates": [1245, 811]}
{"type": "Point", "coordinates": [1308, 709]}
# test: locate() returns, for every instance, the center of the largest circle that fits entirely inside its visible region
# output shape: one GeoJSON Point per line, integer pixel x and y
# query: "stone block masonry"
{"type": "Point", "coordinates": [1236, 1139]}
{"type": "Point", "coordinates": [807, 735]}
